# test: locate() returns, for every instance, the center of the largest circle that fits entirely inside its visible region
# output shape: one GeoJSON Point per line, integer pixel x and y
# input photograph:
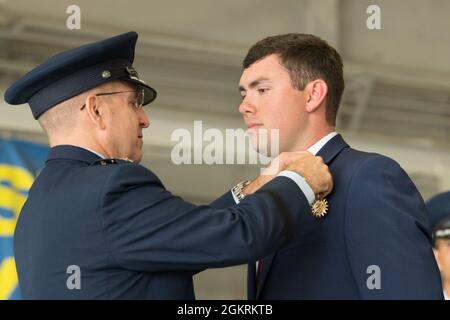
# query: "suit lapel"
{"type": "Point", "coordinates": [332, 148]}
{"type": "Point", "coordinates": [328, 152]}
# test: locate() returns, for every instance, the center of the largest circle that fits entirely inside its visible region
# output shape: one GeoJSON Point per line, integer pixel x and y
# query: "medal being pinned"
{"type": "Point", "coordinates": [320, 207]}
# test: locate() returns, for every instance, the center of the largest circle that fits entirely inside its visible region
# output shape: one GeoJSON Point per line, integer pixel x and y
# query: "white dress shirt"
{"type": "Point", "coordinates": [298, 179]}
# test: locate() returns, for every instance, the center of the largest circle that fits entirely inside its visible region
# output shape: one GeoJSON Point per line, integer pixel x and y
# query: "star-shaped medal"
{"type": "Point", "coordinates": [319, 208]}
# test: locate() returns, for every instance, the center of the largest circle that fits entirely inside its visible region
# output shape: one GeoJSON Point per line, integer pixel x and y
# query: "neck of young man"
{"type": "Point", "coordinates": [310, 138]}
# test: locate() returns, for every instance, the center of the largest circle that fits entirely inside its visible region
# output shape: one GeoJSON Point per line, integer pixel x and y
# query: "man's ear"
{"type": "Point", "coordinates": [316, 92]}
{"type": "Point", "coordinates": [95, 111]}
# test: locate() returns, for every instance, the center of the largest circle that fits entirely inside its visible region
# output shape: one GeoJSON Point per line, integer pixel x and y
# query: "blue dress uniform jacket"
{"type": "Point", "coordinates": [376, 221]}
{"type": "Point", "coordinates": [130, 237]}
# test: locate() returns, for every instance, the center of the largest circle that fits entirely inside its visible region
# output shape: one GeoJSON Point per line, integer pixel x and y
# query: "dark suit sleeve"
{"type": "Point", "coordinates": [226, 200]}
{"type": "Point", "coordinates": [387, 228]}
{"type": "Point", "coordinates": [149, 229]}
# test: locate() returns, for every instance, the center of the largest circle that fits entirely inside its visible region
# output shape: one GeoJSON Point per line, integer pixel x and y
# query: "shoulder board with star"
{"type": "Point", "coordinates": [105, 162]}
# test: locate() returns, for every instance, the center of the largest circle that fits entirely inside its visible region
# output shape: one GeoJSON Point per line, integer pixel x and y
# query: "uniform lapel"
{"type": "Point", "coordinates": [69, 152]}
{"type": "Point", "coordinates": [329, 151]}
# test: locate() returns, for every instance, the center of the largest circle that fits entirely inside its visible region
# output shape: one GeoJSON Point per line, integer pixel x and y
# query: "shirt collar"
{"type": "Point", "coordinates": [95, 152]}
{"type": "Point", "coordinates": [70, 152]}
{"type": "Point", "coordinates": [315, 148]}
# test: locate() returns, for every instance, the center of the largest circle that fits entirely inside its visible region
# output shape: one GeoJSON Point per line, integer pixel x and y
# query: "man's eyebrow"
{"type": "Point", "coordinates": [254, 83]}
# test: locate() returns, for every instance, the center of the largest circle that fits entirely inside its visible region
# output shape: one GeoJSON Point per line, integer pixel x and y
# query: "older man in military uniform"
{"type": "Point", "coordinates": [95, 210]}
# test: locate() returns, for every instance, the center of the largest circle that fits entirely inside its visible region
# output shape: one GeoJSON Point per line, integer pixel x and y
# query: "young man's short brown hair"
{"type": "Point", "coordinates": [306, 58]}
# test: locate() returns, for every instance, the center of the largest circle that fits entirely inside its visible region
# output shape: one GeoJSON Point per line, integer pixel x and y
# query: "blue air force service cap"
{"type": "Point", "coordinates": [439, 211]}
{"type": "Point", "coordinates": [75, 71]}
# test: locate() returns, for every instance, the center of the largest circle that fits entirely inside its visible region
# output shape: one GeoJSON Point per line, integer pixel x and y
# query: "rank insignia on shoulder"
{"type": "Point", "coordinates": [105, 162]}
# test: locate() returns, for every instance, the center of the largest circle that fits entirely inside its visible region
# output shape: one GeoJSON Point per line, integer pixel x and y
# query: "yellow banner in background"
{"type": "Point", "coordinates": [16, 181]}
{"type": "Point", "coordinates": [8, 278]}
{"type": "Point", "coordinates": [19, 163]}
{"type": "Point", "coordinates": [12, 198]}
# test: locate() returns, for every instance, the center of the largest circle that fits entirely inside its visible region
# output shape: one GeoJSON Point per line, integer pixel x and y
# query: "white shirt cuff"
{"type": "Point", "coordinates": [299, 180]}
{"type": "Point", "coordinates": [234, 198]}
{"type": "Point", "coordinates": [302, 184]}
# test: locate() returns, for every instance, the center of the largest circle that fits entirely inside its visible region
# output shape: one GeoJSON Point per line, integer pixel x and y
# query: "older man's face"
{"type": "Point", "coordinates": [125, 124]}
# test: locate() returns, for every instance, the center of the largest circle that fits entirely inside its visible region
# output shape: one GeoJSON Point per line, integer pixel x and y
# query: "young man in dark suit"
{"type": "Point", "coordinates": [373, 239]}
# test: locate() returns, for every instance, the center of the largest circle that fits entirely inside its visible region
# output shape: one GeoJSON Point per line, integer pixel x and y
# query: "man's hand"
{"type": "Point", "coordinates": [315, 172]}
{"type": "Point", "coordinates": [310, 167]}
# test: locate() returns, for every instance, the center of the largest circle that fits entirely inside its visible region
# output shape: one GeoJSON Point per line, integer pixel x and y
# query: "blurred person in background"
{"type": "Point", "coordinates": [439, 211]}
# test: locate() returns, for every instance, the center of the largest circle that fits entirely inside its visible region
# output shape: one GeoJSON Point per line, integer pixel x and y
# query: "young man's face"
{"type": "Point", "coordinates": [269, 101]}
{"type": "Point", "coordinates": [442, 254]}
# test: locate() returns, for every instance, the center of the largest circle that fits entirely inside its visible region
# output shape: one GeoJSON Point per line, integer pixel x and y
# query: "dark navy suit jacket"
{"type": "Point", "coordinates": [376, 226]}
{"type": "Point", "coordinates": [130, 237]}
